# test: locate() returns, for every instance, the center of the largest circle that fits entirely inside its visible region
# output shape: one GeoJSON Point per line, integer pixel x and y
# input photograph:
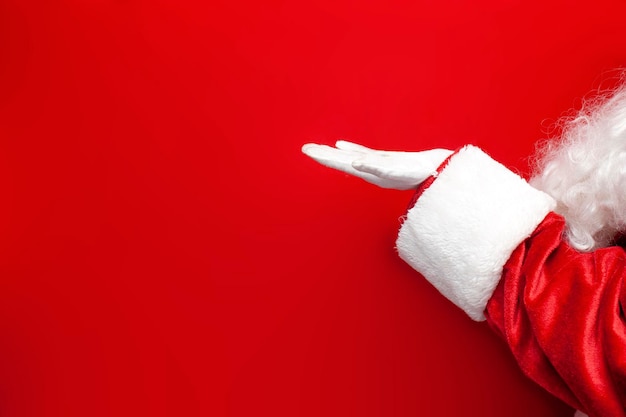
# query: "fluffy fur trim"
{"type": "Point", "coordinates": [464, 227]}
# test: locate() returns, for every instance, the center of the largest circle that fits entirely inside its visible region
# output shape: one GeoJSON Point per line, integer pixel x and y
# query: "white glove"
{"type": "Point", "coordinates": [387, 169]}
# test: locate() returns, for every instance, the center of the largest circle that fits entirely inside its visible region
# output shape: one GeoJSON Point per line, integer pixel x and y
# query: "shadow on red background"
{"type": "Point", "coordinates": [167, 250]}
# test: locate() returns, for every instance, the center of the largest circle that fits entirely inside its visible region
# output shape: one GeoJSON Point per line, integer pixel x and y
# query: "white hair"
{"type": "Point", "coordinates": [585, 171]}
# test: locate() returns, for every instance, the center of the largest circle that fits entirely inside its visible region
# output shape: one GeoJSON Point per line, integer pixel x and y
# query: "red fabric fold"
{"type": "Point", "coordinates": [560, 311]}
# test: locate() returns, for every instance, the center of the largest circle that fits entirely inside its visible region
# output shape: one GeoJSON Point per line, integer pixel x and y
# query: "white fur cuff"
{"type": "Point", "coordinates": [465, 226]}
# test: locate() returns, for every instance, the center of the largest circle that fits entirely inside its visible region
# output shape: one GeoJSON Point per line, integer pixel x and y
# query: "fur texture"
{"type": "Point", "coordinates": [459, 234]}
{"type": "Point", "coordinates": [585, 171]}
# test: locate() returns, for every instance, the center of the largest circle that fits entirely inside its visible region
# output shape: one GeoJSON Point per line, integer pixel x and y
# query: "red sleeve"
{"type": "Point", "coordinates": [560, 311]}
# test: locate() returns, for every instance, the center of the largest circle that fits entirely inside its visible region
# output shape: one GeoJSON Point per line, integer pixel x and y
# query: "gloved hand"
{"type": "Point", "coordinates": [387, 169]}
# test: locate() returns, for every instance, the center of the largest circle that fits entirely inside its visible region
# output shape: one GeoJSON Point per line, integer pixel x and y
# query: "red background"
{"type": "Point", "coordinates": [165, 248]}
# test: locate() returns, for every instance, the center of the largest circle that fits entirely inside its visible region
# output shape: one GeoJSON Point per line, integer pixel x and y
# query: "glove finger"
{"type": "Point", "coordinates": [355, 147]}
{"type": "Point", "coordinates": [333, 158]}
{"type": "Point", "coordinates": [385, 178]}
{"type": "Point", "coordinates": [389, 168]}
{"type": "Point", "coordinates": [329, 156]}
{"type": "Point", "coordinates": [375, 165]}
{"type": "Point", "coordinates": [351, 146]}
{"type": "Point", "coordinates": [340, 160]}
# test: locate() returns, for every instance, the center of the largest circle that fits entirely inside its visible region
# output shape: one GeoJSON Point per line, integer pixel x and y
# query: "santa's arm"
{"type": "Point", "coordinates": [458, 243]}
{"type": "Point", "coordinates": [491, 244]}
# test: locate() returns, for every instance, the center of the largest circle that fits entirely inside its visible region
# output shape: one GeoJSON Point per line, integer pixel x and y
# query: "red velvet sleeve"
{"type": "Point", "coordinates": [560, 311]}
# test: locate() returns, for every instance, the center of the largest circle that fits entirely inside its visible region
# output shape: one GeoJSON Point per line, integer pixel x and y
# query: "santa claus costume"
{"type": "Point", "coordinates": [538, 260]}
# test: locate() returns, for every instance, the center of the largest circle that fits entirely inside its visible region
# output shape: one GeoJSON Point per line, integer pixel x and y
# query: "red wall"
{"type": "Point", "coordinates": [165, 249]}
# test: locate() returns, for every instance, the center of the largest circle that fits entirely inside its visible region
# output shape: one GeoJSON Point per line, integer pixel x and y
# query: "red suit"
{"type": "Point", "coordinates": [492, 244]}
